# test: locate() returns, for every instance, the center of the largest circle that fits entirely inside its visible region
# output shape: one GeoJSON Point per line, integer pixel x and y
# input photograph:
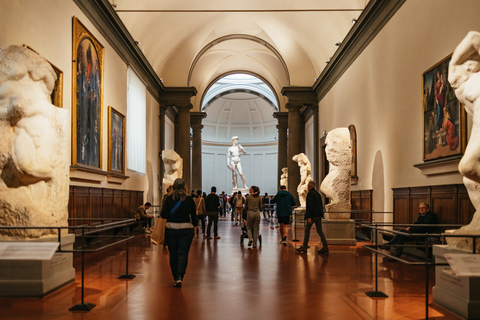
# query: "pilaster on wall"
{"type": "Point", "coordinates": [179, 97]}
{"type": "Point", "coordinates": [298, 97]}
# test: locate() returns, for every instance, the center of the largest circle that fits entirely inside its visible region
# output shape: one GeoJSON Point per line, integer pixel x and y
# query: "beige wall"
{"type": "Point", "coordinates": [381, 94]}
{"type": "Point", "coordinates": [46, 26]}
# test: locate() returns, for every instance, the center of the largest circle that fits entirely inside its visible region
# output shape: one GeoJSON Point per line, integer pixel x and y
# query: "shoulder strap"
{"type": "Point", "coordinates": [176, 207]}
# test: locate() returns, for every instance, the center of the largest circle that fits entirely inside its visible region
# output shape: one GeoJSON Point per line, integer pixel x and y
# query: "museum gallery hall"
{"type": "Point", "coordinates": [368, 105]}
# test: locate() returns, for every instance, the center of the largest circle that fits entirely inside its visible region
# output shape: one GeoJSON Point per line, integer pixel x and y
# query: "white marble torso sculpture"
{"type": "Point", "coordinates": [173, 167]}
{"type": "Point", "coordinates": [464, 76]}
{"type": "Point", "coordinates": [34, 146]}
{"type": "Point", "coordinates": [336, 185]}
{"type": "Point", "coordinates": [284, 178]}
{"type": "Point", "coordinates": [235, 165]}
{"type": "Point", "coordinates": [305, 177]}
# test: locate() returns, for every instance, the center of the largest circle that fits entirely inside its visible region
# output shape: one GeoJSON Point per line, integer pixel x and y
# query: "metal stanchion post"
{"type": "Point", "coordinates": [82, 306]}
{"type": "Point", "coordinates": [376, 293]}
{"type": "Point", "coordinates": [127, 275]}
{"type": "Point", "coordinates": [426, 277]}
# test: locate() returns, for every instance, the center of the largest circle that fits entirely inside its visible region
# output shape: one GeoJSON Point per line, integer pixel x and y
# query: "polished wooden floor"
{"type": "Point", "coordinates": [226, 280]}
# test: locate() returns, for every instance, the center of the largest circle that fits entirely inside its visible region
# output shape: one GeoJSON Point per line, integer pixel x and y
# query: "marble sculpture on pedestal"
{"type": "Point", "coordinates": [284, 177]}
{"type": "Point", "coordinates": [235, 165]}
{"type": "Point", "coordinates": [173, 165]}
{"type": "Point", "coordinates": [336, 185]}
{"type": "Point", "coordinates": [34, 146]}
{"type": "Point", "coordinates": [464, 76]}
{"type": "Point", "coordinates": [305, 177]}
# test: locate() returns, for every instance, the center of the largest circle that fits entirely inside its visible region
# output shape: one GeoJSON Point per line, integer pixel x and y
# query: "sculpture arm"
{"type": "Point", "coordinates": [241, 149]}
{"type": "Point", "coordinates": [467, 51]}
{"type": "Point", "coordinates": [228, 160]}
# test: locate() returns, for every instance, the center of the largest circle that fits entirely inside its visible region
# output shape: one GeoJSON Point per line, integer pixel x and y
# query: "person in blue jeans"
{"type": "Point", "coordinates": [314, 215]}
{"type": "Point", "coordinates": [180, 211]}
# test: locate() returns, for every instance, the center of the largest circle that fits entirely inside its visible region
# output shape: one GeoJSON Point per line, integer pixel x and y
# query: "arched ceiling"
{"type": "Point", "coordinates": [239, 114]}
{"type": "Point", "coordinates": [192, 43]}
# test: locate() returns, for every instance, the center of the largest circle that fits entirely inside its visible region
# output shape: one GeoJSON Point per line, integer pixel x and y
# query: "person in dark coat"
{"type": "Point", "coordinates": [285, 202]}
{"type": "Point", "coordinates": [180, 211]}
{"type": "Point", "coordinates": [212, 203]}
{"type": "Point", "coordinates": [425, 216]}
{"type": "Point", "coordinates": [314, 215]}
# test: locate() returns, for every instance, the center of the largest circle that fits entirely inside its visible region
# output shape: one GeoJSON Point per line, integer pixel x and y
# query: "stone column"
{"type": "Point", "coordinates": [298, 97]}
{"type": "Point", "coordinates": [161, 117]}
{"type": "Point", "coordinates": [316, 150]}
{"type": "Point", "coordinates": [183, 141]}
{"type": "Point", "coordinates": [282, 126]}
{"type": "Point", "coordinates": [294, 147]}
{"type": "Point", "coordinates": [179, 97]}
{"type": "Point", "coordinates": [196, 124]}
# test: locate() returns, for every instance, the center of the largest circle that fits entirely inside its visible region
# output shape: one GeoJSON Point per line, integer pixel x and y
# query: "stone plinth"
{"type": "Point", "coordinates": [337, 216]}
{"type": "Point", "coordinates": [36, 278]}
{"type": "Point", "coordinates": [457, 294]}
{"type": "Point", "coordinates": [339, 231]}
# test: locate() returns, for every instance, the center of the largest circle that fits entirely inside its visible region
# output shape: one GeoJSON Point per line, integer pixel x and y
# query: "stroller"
{"type": "Point", "coordinates": [244, 234]}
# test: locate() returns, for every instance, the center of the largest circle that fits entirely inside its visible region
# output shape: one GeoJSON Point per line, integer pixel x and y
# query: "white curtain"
{"type": "Point", "coordinates": [136, 123]}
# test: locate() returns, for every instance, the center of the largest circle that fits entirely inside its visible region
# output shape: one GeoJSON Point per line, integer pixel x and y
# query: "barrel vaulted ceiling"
{"type": "Point", "coordinates": [194, 43]}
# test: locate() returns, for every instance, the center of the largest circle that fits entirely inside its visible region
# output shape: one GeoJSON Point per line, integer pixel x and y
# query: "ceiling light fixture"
{"type": "Point", "coordinates": [354, 20]}
{"type": "Point", "coordinates": [338, 44]}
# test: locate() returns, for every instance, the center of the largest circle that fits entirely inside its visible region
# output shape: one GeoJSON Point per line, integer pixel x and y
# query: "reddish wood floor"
{"type": "Point", "coordinates": [225, 280]}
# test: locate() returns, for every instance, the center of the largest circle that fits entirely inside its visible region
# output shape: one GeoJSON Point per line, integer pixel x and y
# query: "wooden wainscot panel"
{"type": "Point", "coordinates": [81, 203]}
{"type": "Point", "coordinates": [108, 204]}
{"type": "Point", "coordinates": [361, 200]}
{"type": "Point", "coordinates": [401, 205]}
{"type": "Point", "coordinates": [126, 205]}
{"type": "Point", "coordinates": [96, 203]}
{"type": "Point", "coordinates": [466, 210]}
{"type": "Point", "coordinates": [90, 202]}
{"type": "Point", "coordinates": [118, 203]}
{"type": "Point", "coordinates": [450, 202]}
{"type": "Point", "coordinates": [444, 203]}
{"type": "Point", "coordinates": [133, 203]}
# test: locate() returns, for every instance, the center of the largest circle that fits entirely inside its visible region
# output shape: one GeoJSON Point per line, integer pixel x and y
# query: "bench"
{"type": "Point", "coordinates": [415, 247]}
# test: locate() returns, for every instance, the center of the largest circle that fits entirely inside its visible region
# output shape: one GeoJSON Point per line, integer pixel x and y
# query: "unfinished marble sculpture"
{"type": "Point", "coordinates": [173, 165]}
{"type": "Point", "coordinates": [284, 177]}
{"type": "Point", "coordinates": [464, 76]}
{"type": "Point", "coordinates": [34, 146]}
{"type": "Point", "coordinates": [336, 185]}
{"type": "Point", "coordinates": [305, 177]}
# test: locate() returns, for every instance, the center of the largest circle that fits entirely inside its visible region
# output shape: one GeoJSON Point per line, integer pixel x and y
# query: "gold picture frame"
{"type": "Point", "coordinates": [57, 93]}
{"type": "Point", "coordinates": [87, 97]}
{"type": "Point", "coordinates": [444, 117]}
{"type": "Point", "coordinates": [116, 141]}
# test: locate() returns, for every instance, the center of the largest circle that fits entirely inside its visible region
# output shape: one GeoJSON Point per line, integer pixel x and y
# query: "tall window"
{"type": "Point", "coordinates": [136, 123]}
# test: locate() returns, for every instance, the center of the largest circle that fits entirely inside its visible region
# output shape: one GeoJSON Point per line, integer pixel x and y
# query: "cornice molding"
{"type": "Point", "coordinates": [109, 24]}
{"type": "Point", "coordinates": [375, 16]}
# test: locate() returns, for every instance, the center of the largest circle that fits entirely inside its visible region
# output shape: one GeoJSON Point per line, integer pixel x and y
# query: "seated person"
{"type": "Point", "coordinates": [424, 217]}
{"type": "Point", "coordinates": [140, 215]}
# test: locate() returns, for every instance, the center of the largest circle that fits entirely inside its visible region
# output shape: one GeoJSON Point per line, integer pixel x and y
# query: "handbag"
{"type": "Point", "coordinates": [158, 235]}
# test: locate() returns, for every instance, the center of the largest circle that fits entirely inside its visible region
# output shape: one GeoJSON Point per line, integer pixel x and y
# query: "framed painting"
{"type": "Point", "coordinates": [87, 97]}
{"type": "Point", "coordinates": [444, 117]}
{"type": "Point", "coordinates": [57, 93]}
{"type": "Point", "coordinates": [116, 141]}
